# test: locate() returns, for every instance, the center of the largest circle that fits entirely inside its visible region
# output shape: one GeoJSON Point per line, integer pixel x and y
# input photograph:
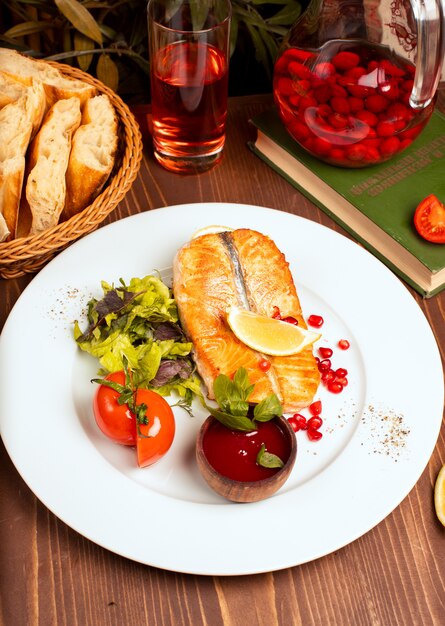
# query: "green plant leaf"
{"type": "Point", "coordinates": [267, 459]}
{"type": "Point", "coordinates": [233, 33]}
{"type": "Point", "coordinates": [199, 11]}
{"type": "Point", "coordinates": [80, 18]}
{"type": "Point", "coordinates": [234, 422]}
{"type": "Point", "coordinates": [267, 409]}
{"type": "Point", "coordinates": [26, 28]}
{"type": "Point", "coordinates": [81, 44]}
{"type": "Point", "coordinates": [260, 49]}
{"type": "Point", "coordinates": [286, 16]}
{"type": "Point", "coordinates": [107, 71]}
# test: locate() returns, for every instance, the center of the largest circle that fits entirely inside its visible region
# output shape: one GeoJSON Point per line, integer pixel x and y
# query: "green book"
{"type": "Point", "coordinates": [374, 204]}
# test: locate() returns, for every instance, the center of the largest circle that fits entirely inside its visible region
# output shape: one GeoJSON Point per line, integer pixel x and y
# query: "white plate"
{"type": "Point", "coordinates": [379, 433]}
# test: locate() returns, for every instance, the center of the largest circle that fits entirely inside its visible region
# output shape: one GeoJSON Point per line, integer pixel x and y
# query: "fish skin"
{"type": "Point", "coordinates": [207, 274]}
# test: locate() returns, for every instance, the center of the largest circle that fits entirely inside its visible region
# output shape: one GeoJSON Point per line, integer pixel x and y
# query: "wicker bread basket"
{"type": "Point", "coordinates": [29, 254]}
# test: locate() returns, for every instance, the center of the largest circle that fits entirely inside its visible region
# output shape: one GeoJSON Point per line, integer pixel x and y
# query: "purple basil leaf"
{"type": "Point", "coordinates": [168, 330]}
{"type": "Point", "coordinates": [112, 302]}
{"type": "Point", "coordinates": [170, 368]}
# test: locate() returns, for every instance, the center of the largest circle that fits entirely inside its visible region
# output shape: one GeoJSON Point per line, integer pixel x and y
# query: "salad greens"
{"type": "Point", "coordinates": [139, 323]}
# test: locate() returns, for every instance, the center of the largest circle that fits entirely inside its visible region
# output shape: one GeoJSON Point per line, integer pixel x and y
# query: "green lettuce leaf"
{"type": "Point", "coordinates": [122, 325]}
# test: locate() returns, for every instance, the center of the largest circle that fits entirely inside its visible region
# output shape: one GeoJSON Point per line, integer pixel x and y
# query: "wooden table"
{"type": "Point", "coordinates": [393, 575]}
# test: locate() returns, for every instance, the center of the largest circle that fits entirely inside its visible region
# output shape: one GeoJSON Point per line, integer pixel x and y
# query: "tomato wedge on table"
{"type": "Point", "coordinates": [429, 219]}
{"type": "Point", "coordinates": [149, 424]}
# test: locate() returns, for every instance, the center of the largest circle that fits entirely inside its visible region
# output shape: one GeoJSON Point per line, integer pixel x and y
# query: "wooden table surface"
{"type": "Point", "coordinates": [49, 574]}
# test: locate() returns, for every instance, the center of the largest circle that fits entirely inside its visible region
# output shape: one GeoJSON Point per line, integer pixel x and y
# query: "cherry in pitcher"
{"type": "Point", "coordinates": [355, 82]}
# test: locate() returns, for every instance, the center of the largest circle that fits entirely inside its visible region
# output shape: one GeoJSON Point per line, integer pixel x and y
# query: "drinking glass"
{"type": "Point", "coordinates": [189, 61]}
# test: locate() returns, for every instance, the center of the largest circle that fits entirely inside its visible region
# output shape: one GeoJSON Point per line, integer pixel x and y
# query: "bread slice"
{"type": "Point", "coordinates": [92, 155]}
{"type": "Point", "coordinates": [48, 160]}
{"type": "Point", "coordinates": [4, 230]}
{"type": "Point", "coordinates": [16, 127]}
{"type": "Point", "coordinates": [56, 85]}
{"type": "Point", "coordinates": [11, 89]}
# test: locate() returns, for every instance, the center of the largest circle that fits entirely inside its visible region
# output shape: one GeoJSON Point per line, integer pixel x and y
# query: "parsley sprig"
{"type": "Point", "coordinates": [232, 396]}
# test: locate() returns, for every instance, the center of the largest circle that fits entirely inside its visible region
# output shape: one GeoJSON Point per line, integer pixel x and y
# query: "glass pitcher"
{"type": "Point", "coordinates": [355, 80]}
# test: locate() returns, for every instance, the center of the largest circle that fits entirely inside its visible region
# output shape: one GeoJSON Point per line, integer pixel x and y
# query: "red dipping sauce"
{"type": "Point", "coordinates": [233, 453]}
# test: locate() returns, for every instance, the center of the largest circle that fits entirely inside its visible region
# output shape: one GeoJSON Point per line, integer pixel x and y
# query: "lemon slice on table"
{"type": "Point", "coordinates": [268, 335]}
{"type": "Point", "coordinates": [439, 495]}
{"type": "Point", "coordinates": [212, 229]}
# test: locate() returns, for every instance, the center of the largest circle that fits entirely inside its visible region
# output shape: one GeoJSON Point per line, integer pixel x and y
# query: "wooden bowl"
{"type": "Point", "coordinates": [245, 491]}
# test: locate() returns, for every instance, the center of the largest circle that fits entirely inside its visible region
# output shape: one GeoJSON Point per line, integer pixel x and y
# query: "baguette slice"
{"type": "Point", "coordinates": [12, 172]}
{"type": "Point", "coordinates": [11, 89]}
{"type": "Point", "coordinates": [4, 230]}
{"type": "Point", "coordinates": [92, 155]}
{"type": "Point", "coordinates": [56, 85]}
{"type": "Point", "coordinates": [15, 133]}
{"type": "Point", "coordinates": [48, 160]}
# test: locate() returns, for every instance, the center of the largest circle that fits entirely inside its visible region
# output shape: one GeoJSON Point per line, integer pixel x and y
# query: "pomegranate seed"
{"type": "Point", "coordinates": [294, 423]}
{"type": "Point", "coordinates": [314, 423]}
{"type": "Point", "coordinates": [314, 435]}
{"type": "Point", "coordinates": [335, 387]}
{"type": "Point", "coordinates": [276, 313]}
{"type": "Point", "coordinates": [326, 353]}
{"type": "Point", "coordinates": [324, 365]}
{"type": "Point", "coordinates": [290, 320]}
{"type": "Point", "coordinates": [342, 380]}
{"type": "Point", "coordinates": [345, 60]}
{"type": "Point", "coordinates": [328, 376]}
{"type": "Point", "coordinates": [264, 365]}
{"type": "Point", "coordinates": [343, 344]}
{"type": "Point", "coordinates": [315, 320]}
{"type": "Point", "coordinates": [315, 407]}
{"type": "Point", "coordinates": [298, 422]}
{"type": "Point", "coordinates": [340, 372]}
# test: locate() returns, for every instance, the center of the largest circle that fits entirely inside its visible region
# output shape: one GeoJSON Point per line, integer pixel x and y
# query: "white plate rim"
{"type": "Point", "coordinates": [221, 539]}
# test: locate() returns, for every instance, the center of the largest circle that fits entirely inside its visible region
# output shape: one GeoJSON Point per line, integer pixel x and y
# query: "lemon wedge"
{"type": "Point", "coordinates": [268, 335]}
{"type": "Point", "coordinates": [212, 229]}
{"type": "Point", "coordinates": [439, 495]}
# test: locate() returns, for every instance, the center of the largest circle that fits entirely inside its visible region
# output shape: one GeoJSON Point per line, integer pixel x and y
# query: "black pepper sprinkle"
{"type": "Point", "coordinates": [387, 431]}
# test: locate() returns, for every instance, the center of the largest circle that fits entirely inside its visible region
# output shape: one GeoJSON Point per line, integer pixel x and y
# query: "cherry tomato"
{"type": "Point", "coordinates": [155, 438]}
{"type": "Point", "coordinates": [152, 439]}
{"type": "Point", "coordinates": [115, 420]}
{"type": "Point", "coordinates": [429, 219]}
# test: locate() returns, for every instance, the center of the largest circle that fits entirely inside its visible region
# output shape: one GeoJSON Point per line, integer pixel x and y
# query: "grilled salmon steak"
{"type": "Point", "coordinates": [246, 269]}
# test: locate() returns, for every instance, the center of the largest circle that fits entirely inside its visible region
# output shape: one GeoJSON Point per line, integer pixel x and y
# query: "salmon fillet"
{"type": "Point", "coordinates": [243, 268]}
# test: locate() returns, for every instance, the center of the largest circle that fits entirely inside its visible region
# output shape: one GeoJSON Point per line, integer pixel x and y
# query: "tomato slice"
{"type": "Point", "coordinates": [115, 420]}
{"type": "Point", "coordinates": [429, 219]}
{"type": "Point", "coordinates": [152, 438]}
{"type": "Point", "coordinates": [155, 438]}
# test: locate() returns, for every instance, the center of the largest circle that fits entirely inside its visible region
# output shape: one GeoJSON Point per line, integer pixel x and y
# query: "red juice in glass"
{"type": "Point", "coordinates": [189, 58]}
{"type": "Point", "coordinates": [189, 100]}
